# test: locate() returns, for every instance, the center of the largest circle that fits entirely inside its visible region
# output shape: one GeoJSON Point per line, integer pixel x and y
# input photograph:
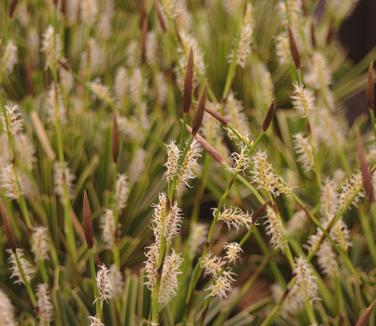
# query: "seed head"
{"type": "Point", "coordinates": [103, 284]}
{"type": "Point", "coordinates": [275, 229]}
{"type": "Point", "coordinates": [116, 281]}
{"type": "Point", "coordinates": [95, 321]}
{"type": "Point", "coordinates": [122, 191]}
{"type": "Point", "coordinates": [351, 192]}
{"type": "Point", "coordinates": [9, 59]}
{"type": "Point", "coordinates": [12, 120]}
{"type": "Point", "coordinates": [63, 180]}
{"type": "Point", "coordinates": [235, 115]}
{"type": "Point", "coordinates": [51, 47]}
{"type": "Point", "coordinates": [23, 271]}
{"type": "Point", "coordinates": [108, 229]}
{"type": "Point", "coordinates": [172, 164]}
{"type": "Point", "coordinates": [121, 83]}
{"type": "Point", "coordinates": [212, 264]}
{"type": "Point", "coordinates": [221, 285]}
{"type": "Point", "coordinates": [151, 264]}
{"type": "Point", "coordinates": [233, 251]}
{"type": "Point", "coordinates": [199, 112]}
{"type": "Point", "coordinates": [6, 310]}
{"type": "Point", "coordinates": [189, 42]}
{"type": "Point", "coordinates": [189, 165]}
{"type": "Point", "coordinates": [241, 160]}
{"type": "Point", "coordinates": [303, 99]}
{"type": "Point", "coordinates": [169, 278]}
{"type": "Point", "coordinates": [39, 243]}
{"type": "Point", "coordinates": [305, 280]}
{"type": "Point", "coordinates": [197, 237]}
{"type": "Point", "coordinates": [56, 109]}
{"type": "Point", "coordinates": [10, 182]}
{"type": "Point", "coordinates": [89, 11]}
{"type": "Point", "coordinates": [327, 259]}
{"type": "Point", "coordinates": [283, 49]}
{"type": "Point", "coordinates": [318, 75]}
{"type": "Point", "coordinates": [44, 305]}
{"type": "Point", "coordinates": [100, 91]}
{"type": "Point", "coordinates": [294, 49]}
{"type": "Point", "coordinates": [234, 217]}
{"type": "Point", "coordinates": [304, 151]}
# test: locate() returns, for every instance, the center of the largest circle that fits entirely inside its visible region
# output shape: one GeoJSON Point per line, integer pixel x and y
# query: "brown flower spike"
{"type": "Point", "coordinates": [294, 49]}
{"type": "Point", "coordinates": [269, 117]}
{"type": "Point", "coordinates": [370, 87]}
{"type": "Point", "coordinates": [200, 112]}
{"type": "Point", "coordinates": [115, 138]}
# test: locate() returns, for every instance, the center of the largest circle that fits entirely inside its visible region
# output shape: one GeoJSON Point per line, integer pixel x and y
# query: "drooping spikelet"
{"type": "Point", "coordinates": [265, 177]}
{"type": "Point", "coordinates": [11, 119]}
{"type": "Point", "coordinates": [51, 47]}
{"type": "Point", "coordinates": [172, 164]}
{"type": "Point", "coordinates": [318, 75]}
{"type": "Point", "coordinates": [166, 218]}
{"type": "Point", "coordinates": [22, 271]}
{"type": "Point", "coordinates": [351, 192]}
{"type": "Point", "coordinates": [245, 40]}
{"type": "Point", "coordinates": [44, 305]}
{"type": "Point", "coordinates": [327, 259]}
{"type": "Point", "coordinates": [121, 191]}
{"type": "Point", "coordinates": [169, 278]}
{"type": "Point", "coordinates": [116, 281]}
{"type": "Point", "coordinates": [221, 285]}
{"type": "Point", "coordinates": [9, 59]}
{"type": "Point", "coordinates": [56, 109]}
{"type": "Point", "coordinates": [6, 310]}
{"type": "Point", "coordinates": [108, 228]}
{"type": "Point", "coordinates": [39, 243]}
{"type": "Point", "coordinates": [304, 151]}
{"type": "Point", "coordinates": [197, 237]}
{"type": "Point", "coordinates": [275, 229]}
{"type": "Point", "coordinates": [95, 321]}
{"type": "Point", "coordinates": [103, 284]}
{"type": "Point", "coordinates": [10, 182]}
{"type": "Point", "coordinates": [212, 264]}
{"type": "Point", "coordinates": [63, 180]}
{"type": "Point", "coordinates": [241, 160]}
{"type": "Point", "coordinates": [190, 164]}
{"type": "Point", "coordinates": [234, 217]}
{"type": "Point", "coordinates": [303, 99]}
{"type": "Point", "coordinates": [233, 251]}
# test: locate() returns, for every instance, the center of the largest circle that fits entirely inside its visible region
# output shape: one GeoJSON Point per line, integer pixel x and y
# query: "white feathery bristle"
{"type": "Point", "coordinates": [63, 178]}
{"type": "Point", "coordinates": [151, 51]}
{"type": "Point", "coordinates": [303, 99]}
{"type": "Point", "coordinates": [12, 119]}
{"type": "Point", "coordinates": [100, 91]}
{"type": "Point", "coordinates": [241, 160]}
{"type": "Point", "coordinates": [137, 165]}
{"type": "Point", "coordinates": [166, 219]}
{"type": "Point", "coordinates": [6, 310]}
{"type": "Point", "coordinates": [297, 222]}
{"type": "Point", "coordinates": [212, 264]}
{"type": "Point", "coordinates": [189, 42]}
{"type": "Point", "coordinates": [318, 75]}
{"type": "Point", "coordinates": [351, 193]}
{"type": "Point", "coordinates": [275, 229]}
{"type": "Point", "coordinates": [221, 285]}
{"type": "Point", "coordinates": [39, 243]}
{"type": "Point", "coordinates": [151, 265]}
{"type": "Point", "coordinates": [234, 217]}
{"type": "Point", "coordinates": [89, 11]}
{"type": "Point", "coordinates": [95, 321]}
{"type": "Point", "coordinates": [121, 191]}
{"type": "Point", "coordinates": [51, 47]}
{"type": "Point", "coordinates": [103, 284]}
{"type": "Point", "coordinates": [190, 164]}
{"type": "Point", "coordinates": [136, 87]}
{"type": "Point", "coordinates": [234, 113]}
{"type": "Point", "coordinates": [108, 229]}
{"type": "Point", "coordinates": [9, 59]}
{"type": "Point", "coordinates": [56, 108]}
{"type": "Point", "coordinates": [10, 182]}
{"type": "Point", "coordinates": [172, 164]}
{"type": "Point", "coordinates": [23, 271]}
{"type": "Point", "coordinates": [327, 259]}
{"type": "Point", "coordinates": [265, 177]}
{"type": "Point", "coordinates": [197, 237]}
{"type": "Point", "coordinates": [169, 277]}
{"type": "Point", "coordinates": [44, 305]}
{"type": "Point", "coordinates": [233, 251]}
{"type": "Point", "coordinates": [121, 83]}
{"type": "Point", "coordinates": [305, 280]}
{"type": "Point", "coordinates": [116, 281]}
{"type": "Point", "coordinates": [283, 49]}
{"type": "Point", "coordinates": [304, 151]}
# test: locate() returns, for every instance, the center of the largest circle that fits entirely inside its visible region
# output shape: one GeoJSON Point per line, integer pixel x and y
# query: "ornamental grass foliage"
{"type": "Point", "coordinates": [184, 162]}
